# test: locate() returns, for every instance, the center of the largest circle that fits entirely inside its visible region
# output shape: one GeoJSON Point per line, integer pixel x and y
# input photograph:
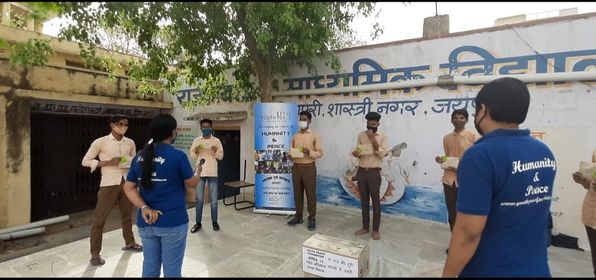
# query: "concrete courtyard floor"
{"type": "Point", "coordinates": [258, 245]}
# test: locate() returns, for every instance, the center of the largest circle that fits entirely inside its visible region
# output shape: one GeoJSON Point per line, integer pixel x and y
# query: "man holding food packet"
{"type": "Point", "coordinates": [207, 147]}
{"type": "Point", "coordinates": [586, 177]}
{"type": "Point", "coordinates": [115, 152]}
{"type": "Point", "coordinates": [454, 145]}
{"type": "Point", "coordinates": [371, 148]}
{"type": "Point", "coordinates": [306, 148]}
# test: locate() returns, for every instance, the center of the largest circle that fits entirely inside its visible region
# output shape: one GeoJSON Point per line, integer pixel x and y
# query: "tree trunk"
{"type": "Point", "coordinates": [262, 63]}
{"type": "Point", "coordinates": [265, 85]}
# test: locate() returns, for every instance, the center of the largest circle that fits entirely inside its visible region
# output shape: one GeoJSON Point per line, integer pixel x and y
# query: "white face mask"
{"type": "Point", "coordinates": [303, 124]}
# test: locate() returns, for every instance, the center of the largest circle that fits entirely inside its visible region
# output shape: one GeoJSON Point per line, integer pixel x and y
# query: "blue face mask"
{"type": "Point", "coordinates": [207, 131]}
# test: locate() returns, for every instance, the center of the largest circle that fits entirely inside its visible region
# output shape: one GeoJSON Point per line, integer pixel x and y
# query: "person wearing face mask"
{"type": "Point", "coordinates": [369, 173]}
{"type": "Point", "coordinates": [454, 145]}
{"type": "Point", "coordinates": [505, 187]}
{"type": "Point", "coordinates": [304, 171]}
{"type": "Point", "coordinates": [207, 147]}
{"type": "Point", "coordinates": [115, 152]}
{"type": "Point", "coordinates": [588, 217]}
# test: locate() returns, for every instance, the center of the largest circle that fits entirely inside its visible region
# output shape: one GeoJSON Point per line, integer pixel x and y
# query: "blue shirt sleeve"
{"type": "Point", "coordinates": [474, 176]}
{"type": "Point", "coordinates": [133, 172]}
{"type": "Point", "coordinates": [185, 167]}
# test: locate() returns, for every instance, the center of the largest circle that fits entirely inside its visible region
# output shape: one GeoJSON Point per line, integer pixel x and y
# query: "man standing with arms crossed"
{"type": "Point", "coordinates": [369, 172]}
{"type": "Point", "coordinates": [304, 171]}
{"type": "Point", "coordinates": [115, 153]}
{"type": "Point", "coordinates": [207, 147]}
{"type": "Point", "coordinates": [454, 145]}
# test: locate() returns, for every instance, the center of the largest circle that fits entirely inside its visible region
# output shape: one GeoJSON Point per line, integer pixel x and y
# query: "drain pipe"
{"type": "Point", "coordinates": [446, 80]}
{"type": "Point", "coordinates": [35, 224]}
{"type": "Point", "coordinates": [23, 233]}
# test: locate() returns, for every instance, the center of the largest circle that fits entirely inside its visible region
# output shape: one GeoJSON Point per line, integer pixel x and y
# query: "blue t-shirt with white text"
{"type": "Point", "coordinates": [171, 167]}
{"type": "Point", "coordinates": [508, 176]}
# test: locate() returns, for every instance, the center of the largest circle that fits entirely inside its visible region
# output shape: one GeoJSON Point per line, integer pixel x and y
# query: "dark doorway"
{"type": "Point", "coordinates": [228, 168]}
{"type": "Point", "coordinates": [59, 184]}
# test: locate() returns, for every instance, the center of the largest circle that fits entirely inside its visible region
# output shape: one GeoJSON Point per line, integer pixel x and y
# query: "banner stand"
{"type": "Point", "coordinates": [273, 212]}
{"type": "Point", "coordinates": [275, 125]}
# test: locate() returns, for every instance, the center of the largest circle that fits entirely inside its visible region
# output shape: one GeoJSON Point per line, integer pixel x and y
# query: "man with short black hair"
{"type": "Point", "coordinates": [505, 188]}
{"type": "Point", "coordinates": [371, 149]}
{"type": "Point", "coordinates": [115, 152]}
{"type": "Point", "coordinates": [207, 147]}
{"type": "Point", "coordinates": [304, 171]}
{"type": "Point", "coordinates": [454, 145]}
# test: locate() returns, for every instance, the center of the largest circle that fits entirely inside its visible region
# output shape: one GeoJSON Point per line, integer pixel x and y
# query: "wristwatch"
{"type": "Point", "coordinates": [144, 207]}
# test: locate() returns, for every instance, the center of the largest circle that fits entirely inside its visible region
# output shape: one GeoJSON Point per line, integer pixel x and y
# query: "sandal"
{"type": "Point", "coordinates": [97, 261]}
{"type": "Point", "coordinates": [134, 247]}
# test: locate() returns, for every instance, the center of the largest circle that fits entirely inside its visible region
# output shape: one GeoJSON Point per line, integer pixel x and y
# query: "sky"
{"type": "Point", "coordinates": [404, 20]}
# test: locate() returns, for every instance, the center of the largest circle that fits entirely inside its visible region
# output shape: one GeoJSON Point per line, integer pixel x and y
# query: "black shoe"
{"type": "Point", "coordinates": [196, 228]}
{"type": "Point", "coordinates": [312, 224]}
{"type": "Point", "coordinates": [215, 226]}
{"type": "Point", "coordinates": [295, 221]}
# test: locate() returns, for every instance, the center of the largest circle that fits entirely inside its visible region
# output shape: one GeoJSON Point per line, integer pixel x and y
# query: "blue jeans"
{"type": "Point", "coordinates": [163, 245]}
{"type": "Point", "coordinates": [212, 185]}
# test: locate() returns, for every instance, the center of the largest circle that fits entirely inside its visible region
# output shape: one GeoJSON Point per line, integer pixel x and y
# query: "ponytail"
{"type": "Point", "coordinates": [162, 126]}
{"type": "Point", "coordinates": [147, 154]}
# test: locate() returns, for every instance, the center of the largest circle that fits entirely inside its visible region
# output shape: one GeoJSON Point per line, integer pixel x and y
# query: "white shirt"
{"type": "Point", "coordinates": [210, 165]}
{"type": "Point", "coordinates": [108, 147]}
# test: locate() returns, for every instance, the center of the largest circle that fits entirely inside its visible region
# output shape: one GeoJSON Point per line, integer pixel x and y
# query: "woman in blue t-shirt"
{"type": "Point", "coordinates": [162, 218]}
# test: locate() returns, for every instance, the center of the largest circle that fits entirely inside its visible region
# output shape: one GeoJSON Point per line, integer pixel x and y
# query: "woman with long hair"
{"type": "Point", "coordinates": [161, 173]}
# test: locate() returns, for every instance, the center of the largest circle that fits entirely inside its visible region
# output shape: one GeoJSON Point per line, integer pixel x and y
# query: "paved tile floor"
{"type": "Point", "coordinates": [257, 245]}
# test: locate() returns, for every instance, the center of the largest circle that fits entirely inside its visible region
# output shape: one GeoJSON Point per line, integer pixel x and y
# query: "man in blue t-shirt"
{"type": "Point", "coordinates": [505, 187]}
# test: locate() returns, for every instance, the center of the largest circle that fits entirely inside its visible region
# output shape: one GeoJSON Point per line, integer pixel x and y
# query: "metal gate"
{"type": "Point", "coordinates": [59, 184]}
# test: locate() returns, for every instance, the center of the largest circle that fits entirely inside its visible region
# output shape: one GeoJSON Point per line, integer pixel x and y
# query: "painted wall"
{"type": "Point", "coordinates": [19, 88]}
{"type": "Point", "coordinates": [188, 127]}
{"type": "Point", "coordinates": [561, 115]}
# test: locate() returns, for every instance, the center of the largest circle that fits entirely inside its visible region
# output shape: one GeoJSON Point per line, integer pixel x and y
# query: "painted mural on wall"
{"type": "Point", "coordinates": [418, 116]}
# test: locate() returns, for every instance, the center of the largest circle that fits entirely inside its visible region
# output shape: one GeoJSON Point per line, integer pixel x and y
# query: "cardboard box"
{"type": "Point", "coordinates": [326, 256]}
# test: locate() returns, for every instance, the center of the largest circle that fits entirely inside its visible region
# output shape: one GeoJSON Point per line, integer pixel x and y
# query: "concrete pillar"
{"type": "Point", "coordinates": [29, 24]}
{"type": "Point", "coordinates": [15, 156]}
{"type": "Point", "coordinates": [436, 26]}
{"type": "Point", "coordinates": [38, 26]}
{"type": "Point", "coordinates": [5, 8]}
{"type": "Point", "coordinates": [3, 169]}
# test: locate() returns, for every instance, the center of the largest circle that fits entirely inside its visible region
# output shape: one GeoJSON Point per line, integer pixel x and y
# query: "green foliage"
{"type": "Point", "coordinates": [33, 52]}
{"type": "Point", "coordinates": [234, 48]}
{"type": "Point", "coordinates": [18, 21]}
{"type": "Point", "coordinates": [99, 63]}
{"type": "Point", "coordinates": [146, 88]}
{"type": "Point", "coordinates": [41, 11]}
{"type": "Point", "coordinates": [4, 44]}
